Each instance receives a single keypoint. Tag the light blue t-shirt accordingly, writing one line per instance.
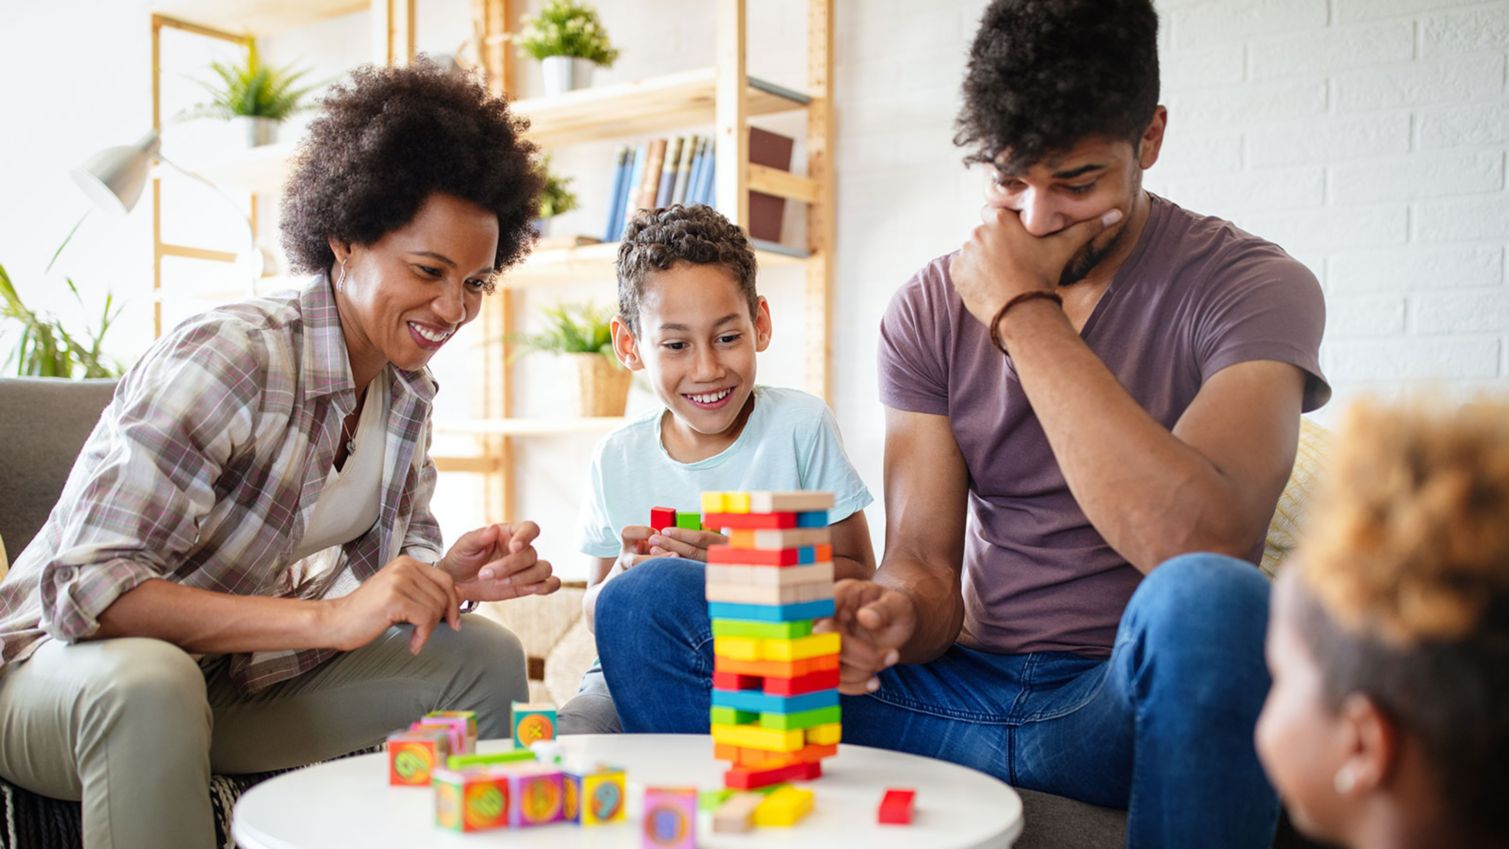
(790, 442)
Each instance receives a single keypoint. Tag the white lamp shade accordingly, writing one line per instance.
(113, 178)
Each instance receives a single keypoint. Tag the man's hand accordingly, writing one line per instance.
(499, 562)
(1002, 260)
(681, 542)
(404, 591)
(875, 622)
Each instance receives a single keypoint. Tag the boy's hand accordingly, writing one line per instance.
(499, 562)
(636, 546)
(681, 542)
(875, 622)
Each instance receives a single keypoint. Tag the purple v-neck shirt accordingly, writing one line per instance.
(1196, 295)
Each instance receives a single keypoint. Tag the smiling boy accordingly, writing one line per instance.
(691, 320)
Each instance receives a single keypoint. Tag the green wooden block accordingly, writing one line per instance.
(804, 719)
(689, 521)
(762, 630)
(712, 800)
(512, 756)
(730, 716)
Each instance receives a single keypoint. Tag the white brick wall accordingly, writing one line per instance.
(1400, 106)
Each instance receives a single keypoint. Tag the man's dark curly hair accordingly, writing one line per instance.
(390, 137)
(657, 239)
(1044, 75)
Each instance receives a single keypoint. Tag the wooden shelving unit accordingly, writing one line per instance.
(723, 96)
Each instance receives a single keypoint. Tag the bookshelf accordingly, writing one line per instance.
(724, 97)
(259, 170)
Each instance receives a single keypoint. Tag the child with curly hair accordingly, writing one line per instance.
(1388, 721)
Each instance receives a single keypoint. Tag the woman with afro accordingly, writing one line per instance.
(243, 572)
(1387, 724)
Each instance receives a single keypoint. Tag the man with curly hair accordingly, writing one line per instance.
(243, 573)
(1098, 383)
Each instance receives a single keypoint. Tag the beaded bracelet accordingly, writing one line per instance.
(995, 325)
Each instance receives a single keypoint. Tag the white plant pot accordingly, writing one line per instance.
(255, 131)
(565, 73)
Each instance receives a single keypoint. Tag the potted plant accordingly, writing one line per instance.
(46, 348)
(259, 96)
(581, 335)
(569, 40)
(556, 197)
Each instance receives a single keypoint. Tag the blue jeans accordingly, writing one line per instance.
(1163, 727)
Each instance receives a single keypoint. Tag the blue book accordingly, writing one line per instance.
(620, 174)
(636, 173)
(689, 195)
(705, 194)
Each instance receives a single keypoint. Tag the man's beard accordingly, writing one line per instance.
(1082, 263)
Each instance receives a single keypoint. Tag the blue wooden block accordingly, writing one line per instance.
(770, 612)
(812, 519)
(806, 554)
(758, 702)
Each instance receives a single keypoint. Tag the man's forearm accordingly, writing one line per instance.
(936, 601)
(198, 620)
(1150, 495)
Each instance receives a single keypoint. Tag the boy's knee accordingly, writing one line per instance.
(653, 588)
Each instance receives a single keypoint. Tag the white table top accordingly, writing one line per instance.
(348, 803)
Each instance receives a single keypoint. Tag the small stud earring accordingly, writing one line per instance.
(1346, 780)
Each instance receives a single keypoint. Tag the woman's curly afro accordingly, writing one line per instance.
(390, 137)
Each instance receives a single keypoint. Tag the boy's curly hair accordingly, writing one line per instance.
(1044, 75)
(390, 137)
(1404, 586)
(657, 239)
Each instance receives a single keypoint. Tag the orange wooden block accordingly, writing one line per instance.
(776, 668)
(761, 759)
(822, 553)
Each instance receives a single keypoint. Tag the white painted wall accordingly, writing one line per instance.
(1366, 136)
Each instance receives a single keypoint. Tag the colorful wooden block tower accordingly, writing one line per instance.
(775, 712)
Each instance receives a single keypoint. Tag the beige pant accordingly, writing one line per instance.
(133, 727)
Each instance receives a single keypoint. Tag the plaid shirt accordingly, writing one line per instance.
(204, 470)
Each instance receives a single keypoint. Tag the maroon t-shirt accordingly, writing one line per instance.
(1196, 295)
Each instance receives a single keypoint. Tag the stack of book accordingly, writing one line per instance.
(667, 171)
(659, 173)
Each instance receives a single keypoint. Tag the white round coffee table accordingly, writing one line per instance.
(348, 803)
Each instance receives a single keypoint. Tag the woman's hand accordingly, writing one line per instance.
(406, 591)
(499, 562)
(682, 542)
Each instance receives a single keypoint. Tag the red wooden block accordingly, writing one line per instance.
(896, 806)
(662, 518)
(754, 556)
(749, 521)
(822, 679)
(744, 778)
(735, 681)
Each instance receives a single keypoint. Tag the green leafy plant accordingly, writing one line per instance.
(580, 328)
(46, 348)
(556, 197)
(567, 28)
(252, 89)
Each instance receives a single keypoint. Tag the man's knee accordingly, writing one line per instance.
(1200, 619)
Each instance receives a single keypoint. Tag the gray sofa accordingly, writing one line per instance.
(43, 424)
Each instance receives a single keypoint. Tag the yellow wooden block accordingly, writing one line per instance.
(801, 648)
(785, 807)
(754, 737)
(737, 648)
(825, 735)
(714, 502)
(736, 502)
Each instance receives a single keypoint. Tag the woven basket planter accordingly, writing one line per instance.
(603, 384)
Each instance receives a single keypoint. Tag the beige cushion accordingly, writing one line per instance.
(1288, 516)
